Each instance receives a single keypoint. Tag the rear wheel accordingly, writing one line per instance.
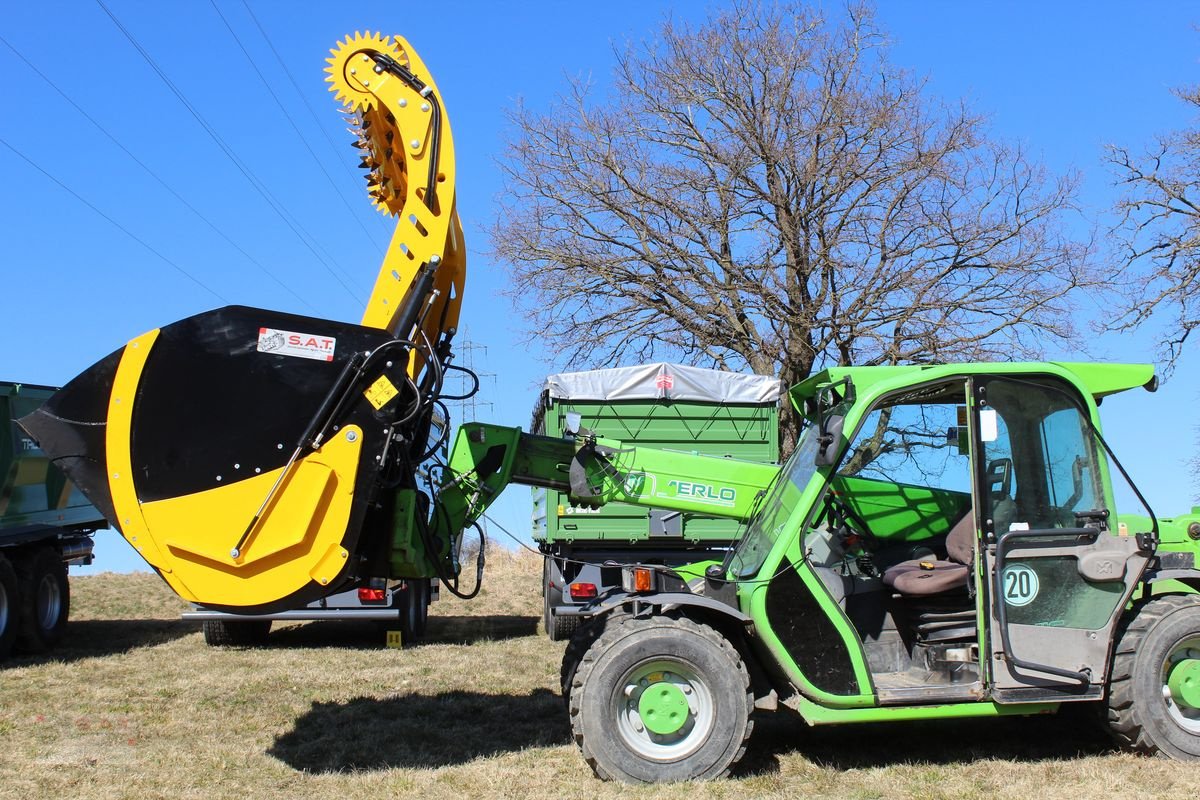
(661, 699)
(45, 600)
(557, 628)
(414, 608)
(236, 632)
(8, 607)
(1154, 691)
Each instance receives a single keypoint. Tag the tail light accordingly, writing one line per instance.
(368, 594)
(583, 591)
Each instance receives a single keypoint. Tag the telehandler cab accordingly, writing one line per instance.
(944, 542)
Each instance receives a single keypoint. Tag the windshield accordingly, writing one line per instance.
(776, 508)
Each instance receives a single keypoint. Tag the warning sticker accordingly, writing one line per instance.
(381, 392)
(292, 343)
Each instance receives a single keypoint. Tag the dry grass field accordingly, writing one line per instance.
(135, 705)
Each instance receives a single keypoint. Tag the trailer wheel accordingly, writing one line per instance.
(414, 608)
(8, 607)
(1154, 688)
(661, 699)
(557, 628)
(45, 600)
(236, 632)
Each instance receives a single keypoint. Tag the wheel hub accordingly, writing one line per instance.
(663, 708)
(1184, 683)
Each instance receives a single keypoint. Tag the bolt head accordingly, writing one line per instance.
(351, 436)
(424, 106)
(414, 144)
(403, 103)
(234, 553)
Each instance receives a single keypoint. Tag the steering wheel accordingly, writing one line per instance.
(847, 522)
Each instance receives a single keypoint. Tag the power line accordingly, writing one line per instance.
(116, 224)
(287, 114)
(337, 150)
(254, 181)
(154, 175)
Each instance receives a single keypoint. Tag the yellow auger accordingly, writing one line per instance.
(260, 460)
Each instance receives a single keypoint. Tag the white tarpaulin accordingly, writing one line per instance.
(664, 382)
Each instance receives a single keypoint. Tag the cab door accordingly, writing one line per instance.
(1057, 569)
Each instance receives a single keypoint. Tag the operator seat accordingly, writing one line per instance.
(921, 577)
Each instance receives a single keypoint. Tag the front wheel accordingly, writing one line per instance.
(1154, 692)
(661, 699)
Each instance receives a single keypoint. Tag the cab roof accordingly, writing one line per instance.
(1098, 380)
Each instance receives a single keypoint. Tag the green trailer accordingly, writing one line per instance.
(45, 525)
(661, 405)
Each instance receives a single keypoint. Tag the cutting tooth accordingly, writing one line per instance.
(368, 163)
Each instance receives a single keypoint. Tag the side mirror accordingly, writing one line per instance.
(830, 440)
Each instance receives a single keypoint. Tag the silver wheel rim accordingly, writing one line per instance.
(1186, 718)
(48, 602)
(637, 737)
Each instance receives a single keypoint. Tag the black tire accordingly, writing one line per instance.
(414, 609)
(581, 641)
(236, 632)
(9, 604)
(1155, 636)
(45, 600)
(559, 629)
(644, 672)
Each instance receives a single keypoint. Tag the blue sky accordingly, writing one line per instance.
(1064, 78)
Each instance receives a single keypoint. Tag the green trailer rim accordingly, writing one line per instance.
(664, 709)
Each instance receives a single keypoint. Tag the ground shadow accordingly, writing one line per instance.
(1069, 734)
(454, 728)
(372, 635)
(95, 638)
(416, 730)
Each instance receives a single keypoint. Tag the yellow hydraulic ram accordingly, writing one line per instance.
(253, 457)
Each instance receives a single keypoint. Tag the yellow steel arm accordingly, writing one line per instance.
(408, 151)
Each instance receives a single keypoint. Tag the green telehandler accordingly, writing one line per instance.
(946, 541)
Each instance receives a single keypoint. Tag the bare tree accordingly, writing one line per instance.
(1159, 230)
(766, 190)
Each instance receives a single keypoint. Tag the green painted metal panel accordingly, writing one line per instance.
(748, 432)
(32, 491)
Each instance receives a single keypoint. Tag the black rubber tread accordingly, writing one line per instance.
(1130, 713)
(624, 626)
(559, 629)
(581, 640)
(31, 569)
(424, 592)
(236, 632)
(9, 620)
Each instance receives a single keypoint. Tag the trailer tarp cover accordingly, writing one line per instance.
(663, 381)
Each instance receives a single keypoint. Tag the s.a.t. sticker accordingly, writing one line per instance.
(294, 343)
